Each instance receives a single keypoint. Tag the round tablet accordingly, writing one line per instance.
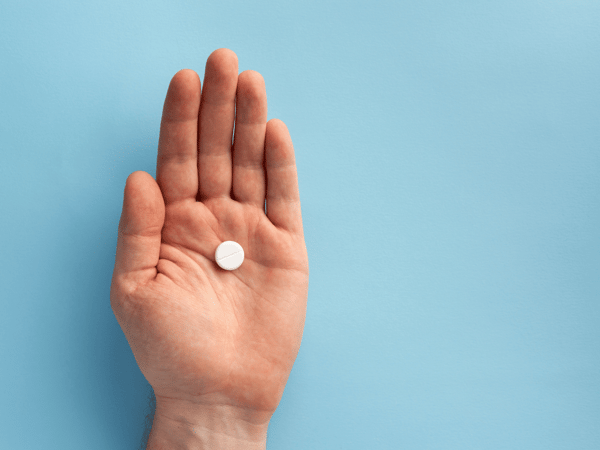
(229, 255)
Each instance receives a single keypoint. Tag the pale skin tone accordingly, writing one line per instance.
(217, 346)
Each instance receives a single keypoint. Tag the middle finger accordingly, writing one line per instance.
(217, 114)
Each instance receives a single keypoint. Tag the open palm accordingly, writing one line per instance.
(199, 333)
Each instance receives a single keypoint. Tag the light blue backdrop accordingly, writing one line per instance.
(449, 164)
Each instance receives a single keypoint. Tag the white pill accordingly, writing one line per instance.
(229, 255)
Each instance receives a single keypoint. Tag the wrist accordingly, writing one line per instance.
(182, 425)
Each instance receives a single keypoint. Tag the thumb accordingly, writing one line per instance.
(140, 226)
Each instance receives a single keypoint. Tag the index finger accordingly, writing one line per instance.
(176, 167)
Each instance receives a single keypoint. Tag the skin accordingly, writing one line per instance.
(217, 346)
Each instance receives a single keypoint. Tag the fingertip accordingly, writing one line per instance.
(252, 77)
(223, 52)
(186, 73)
(276, 121)
(187, 77)
(143, 205)
(137, 174)
(278, 125)
(251, 86)
(136, 180)
(278, 138)
(184, 86)
(225, 61)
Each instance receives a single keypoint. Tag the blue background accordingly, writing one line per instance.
(448, 158)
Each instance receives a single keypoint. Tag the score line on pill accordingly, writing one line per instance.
(229, 255)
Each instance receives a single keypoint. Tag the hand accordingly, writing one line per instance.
(207, 338)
